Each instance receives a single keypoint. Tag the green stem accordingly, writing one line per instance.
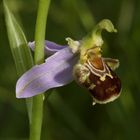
(40, 30)
(37, 107)
(37, 115)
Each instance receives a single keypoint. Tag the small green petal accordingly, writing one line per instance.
(94, 39)
(73, 45)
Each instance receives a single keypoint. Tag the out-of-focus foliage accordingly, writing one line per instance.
(68, 111)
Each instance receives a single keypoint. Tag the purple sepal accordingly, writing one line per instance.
(50, 47)
(55, 72)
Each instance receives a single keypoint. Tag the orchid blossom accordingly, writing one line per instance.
(81, 61)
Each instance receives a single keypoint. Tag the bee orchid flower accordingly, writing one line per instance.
(56, 71)
(81, 61)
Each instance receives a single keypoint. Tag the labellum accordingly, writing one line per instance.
(96, 74)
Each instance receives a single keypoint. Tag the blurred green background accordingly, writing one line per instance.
(68, 111)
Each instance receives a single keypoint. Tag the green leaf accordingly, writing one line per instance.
(18, 44)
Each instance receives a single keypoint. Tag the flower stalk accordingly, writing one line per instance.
(37, 107)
